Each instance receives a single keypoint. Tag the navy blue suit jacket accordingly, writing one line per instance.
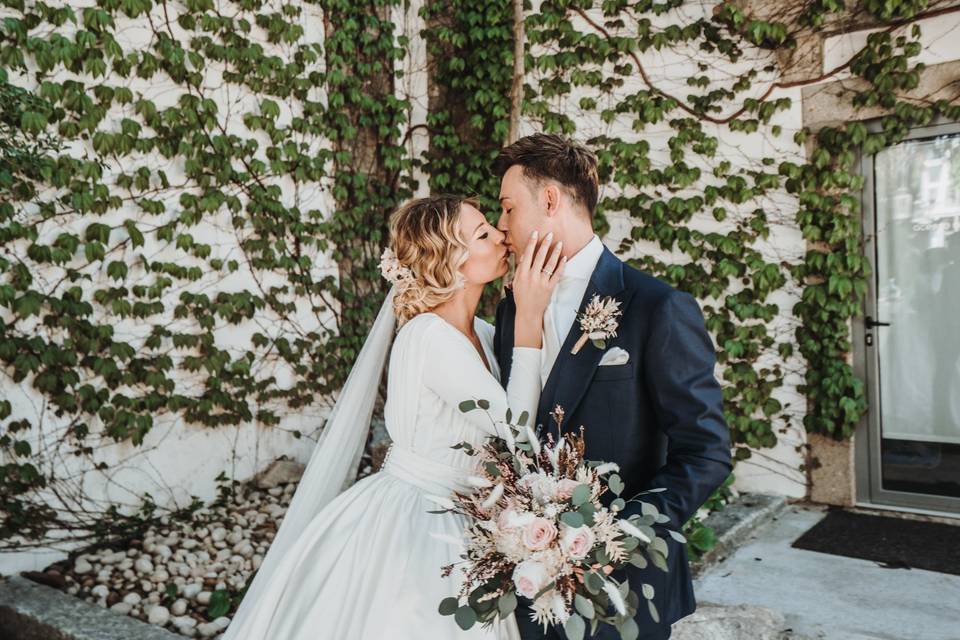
(659, 416)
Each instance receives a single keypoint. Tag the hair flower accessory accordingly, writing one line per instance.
(392, 269)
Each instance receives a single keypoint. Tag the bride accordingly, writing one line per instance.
(365, 564)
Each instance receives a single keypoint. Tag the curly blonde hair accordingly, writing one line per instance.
(425, 236)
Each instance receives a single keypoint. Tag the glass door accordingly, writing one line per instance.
(910, 333)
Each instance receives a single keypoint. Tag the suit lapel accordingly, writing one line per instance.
(571, 374)
(505, 326)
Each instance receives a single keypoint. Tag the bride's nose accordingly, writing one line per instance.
(500, 236)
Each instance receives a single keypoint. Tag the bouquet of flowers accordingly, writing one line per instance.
(538, 529)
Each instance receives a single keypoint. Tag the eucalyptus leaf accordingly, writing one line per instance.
(638, 560)
(572, 519)
(465, 617)
(507, 603)
(584, 606)
(629, 630)
(658, 560)
(574, 627)
(659, 544)
(581, 494)
(593, 582)
(615, 483)
(449, 606)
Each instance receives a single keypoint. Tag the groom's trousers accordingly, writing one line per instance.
(530, 630)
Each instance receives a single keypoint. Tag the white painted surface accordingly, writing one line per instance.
(179, 461)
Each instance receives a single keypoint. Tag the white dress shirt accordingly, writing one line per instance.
(561, 313)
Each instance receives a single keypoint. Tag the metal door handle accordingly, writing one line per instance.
(870, 322)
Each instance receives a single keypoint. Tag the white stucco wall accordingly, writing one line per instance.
(178, 461)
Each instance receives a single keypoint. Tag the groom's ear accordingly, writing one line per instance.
(551, 196)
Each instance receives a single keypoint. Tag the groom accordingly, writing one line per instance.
(648, 401)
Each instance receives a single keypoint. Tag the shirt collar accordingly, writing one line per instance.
(583, 262)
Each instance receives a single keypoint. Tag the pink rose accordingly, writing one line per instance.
(530, 577)
(539, 534)
(565, 488)
(577, 542)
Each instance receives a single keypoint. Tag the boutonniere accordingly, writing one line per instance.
(598, 322)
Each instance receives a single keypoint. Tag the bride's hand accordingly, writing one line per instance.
(538, 270)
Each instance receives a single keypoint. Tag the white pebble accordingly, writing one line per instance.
(191, 590)
(179, 607)
(159, 615)
(144, 565)
(184, 622)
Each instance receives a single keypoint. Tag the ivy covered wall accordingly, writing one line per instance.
(195, 194)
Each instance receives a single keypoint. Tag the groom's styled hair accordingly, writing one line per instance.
(549, 156)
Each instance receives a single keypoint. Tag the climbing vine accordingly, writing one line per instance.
(596, 62)
(175, 256)
(195, 197)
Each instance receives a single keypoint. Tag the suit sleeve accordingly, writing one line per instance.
(688, 403)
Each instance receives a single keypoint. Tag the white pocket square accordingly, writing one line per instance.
(616, 355)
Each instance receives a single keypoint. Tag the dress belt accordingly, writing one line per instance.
(423, 472)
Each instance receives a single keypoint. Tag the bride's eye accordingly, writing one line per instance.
(484, 236)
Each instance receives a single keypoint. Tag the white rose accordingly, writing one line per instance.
(530, 577)
(542, 487)
(510, 544)
(513, 519)
(576, 542)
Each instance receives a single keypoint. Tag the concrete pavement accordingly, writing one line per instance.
(832, 597)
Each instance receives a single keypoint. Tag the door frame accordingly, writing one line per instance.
(867, 439)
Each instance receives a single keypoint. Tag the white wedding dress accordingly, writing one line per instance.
(367, 566)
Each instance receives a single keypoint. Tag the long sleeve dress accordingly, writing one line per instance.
(368, 566)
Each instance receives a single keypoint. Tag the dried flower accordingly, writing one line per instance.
(537, 528)
(598, 322)
(393, 270)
